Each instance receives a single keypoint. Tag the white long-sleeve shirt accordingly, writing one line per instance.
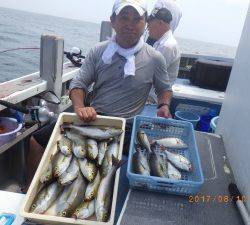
(168, 47)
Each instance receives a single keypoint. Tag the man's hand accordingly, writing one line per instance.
(164, 112)
(86, 113)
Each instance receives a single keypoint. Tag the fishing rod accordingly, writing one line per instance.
(15, 49)
(74, 55)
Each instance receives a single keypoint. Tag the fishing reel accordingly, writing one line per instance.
(40, 113)
(75, 56)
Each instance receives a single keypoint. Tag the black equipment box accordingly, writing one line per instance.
(208, 74)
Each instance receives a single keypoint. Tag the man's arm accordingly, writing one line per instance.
(164, 101)
(163, 87)
(77, 97)
(79, 87)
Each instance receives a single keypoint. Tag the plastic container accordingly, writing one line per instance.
(213, 123)
(7, 218)
(157, 128)
(204, 124)
(9, 127)
(51, 149)
(187, 116)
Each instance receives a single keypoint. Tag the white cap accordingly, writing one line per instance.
(139, 5)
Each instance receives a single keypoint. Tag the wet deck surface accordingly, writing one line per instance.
(149, 208)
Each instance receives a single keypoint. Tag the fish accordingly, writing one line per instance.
(113, 149)
(79, 144)
(92, 188)
(88, 168)
(61, 163)
(179, 161)
(102, 147)
(45, 198)
(171, 143)
(143, 140)
(93, 132)
(84, 210)
(47, 175)
(92, 149)
(70, 174)
(172, 172)
(140, 163)
(105, 192)
(65, 145)
(69, 199)
(158, 166)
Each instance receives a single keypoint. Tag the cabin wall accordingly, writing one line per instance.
(234, 122)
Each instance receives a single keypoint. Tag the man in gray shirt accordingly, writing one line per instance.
(122, 69)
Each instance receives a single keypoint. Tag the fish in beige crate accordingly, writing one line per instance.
(70, 174)
(92, 149)
(88, 169)
(65, 145)
(105, 193)
(79, 144)
(67, 202)
(113, 149)
(45, 198)
(102, 147)
(85, 210)
(47, 175)
(60, 163)
(92, 188)
(93, 132)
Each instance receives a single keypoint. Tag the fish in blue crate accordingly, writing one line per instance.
(141, 162)
(161, 163)
(171, 142)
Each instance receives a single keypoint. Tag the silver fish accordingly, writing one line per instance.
(113, 149)
(140, 163)
(92, 188)
(65, 145)
(171, 143)
(93, 132)
(84, 210)
(47, 175)
(79, 144)
(45, 198)
(179, 161)
(105, 192)
(88, 168)
(70, 174)
(92, 149)
(172, 172)
(158, 165)
(71, 197)
(61, 163)
(143, 140)
(102, 147)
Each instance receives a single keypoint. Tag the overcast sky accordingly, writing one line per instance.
(217, 21)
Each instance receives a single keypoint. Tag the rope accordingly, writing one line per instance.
(15, 49)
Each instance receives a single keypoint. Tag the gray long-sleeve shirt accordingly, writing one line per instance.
(115, 95)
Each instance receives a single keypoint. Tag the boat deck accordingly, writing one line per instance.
(213, 204)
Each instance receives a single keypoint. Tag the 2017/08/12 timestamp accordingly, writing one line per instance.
(216, 198)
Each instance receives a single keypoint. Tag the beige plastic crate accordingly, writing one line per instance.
(51, 149)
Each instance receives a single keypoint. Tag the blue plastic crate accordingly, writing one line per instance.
(157, 128)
